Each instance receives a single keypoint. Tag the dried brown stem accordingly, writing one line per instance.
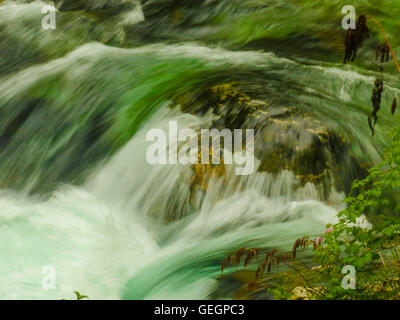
(386, 40)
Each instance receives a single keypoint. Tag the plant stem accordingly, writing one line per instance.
(302, 276)
(387, 41)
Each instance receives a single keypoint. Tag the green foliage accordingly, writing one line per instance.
(371, 247)
(79, 296)
(366, 236)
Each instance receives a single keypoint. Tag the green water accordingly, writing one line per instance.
(76, 103)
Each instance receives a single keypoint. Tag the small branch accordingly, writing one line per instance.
(383, 260)
(373, 62)
(305, 280)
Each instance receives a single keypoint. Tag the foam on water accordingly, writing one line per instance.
(79, 235)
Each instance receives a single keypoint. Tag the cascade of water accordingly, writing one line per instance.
(76, 103)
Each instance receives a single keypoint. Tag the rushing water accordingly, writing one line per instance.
(76, 103)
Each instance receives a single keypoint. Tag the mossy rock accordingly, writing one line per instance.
(286, 138)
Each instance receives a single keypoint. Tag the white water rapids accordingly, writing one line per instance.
(108, 233)
(75, 106)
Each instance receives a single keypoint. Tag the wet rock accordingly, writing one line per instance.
(299, 293)
(177, 19)
(286, 137)
(31, 141)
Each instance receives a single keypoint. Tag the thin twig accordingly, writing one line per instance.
(301, 275)
(383, 261)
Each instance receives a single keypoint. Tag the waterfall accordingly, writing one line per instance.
(76, 103)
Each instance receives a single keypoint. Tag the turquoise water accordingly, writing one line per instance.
(76, 103)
